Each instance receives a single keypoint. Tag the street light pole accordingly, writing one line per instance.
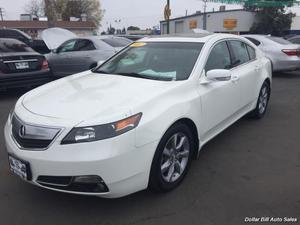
(168, 19)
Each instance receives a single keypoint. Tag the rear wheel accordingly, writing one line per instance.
(172, 158)
(262, 102)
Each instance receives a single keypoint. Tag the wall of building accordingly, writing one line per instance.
(239, 21)
(295, 23)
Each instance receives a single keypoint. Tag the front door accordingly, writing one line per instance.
(220, 99)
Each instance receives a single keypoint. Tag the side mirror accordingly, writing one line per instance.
(55, 51)
(218, 75)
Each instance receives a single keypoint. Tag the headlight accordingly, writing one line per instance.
(100, 132)
(11, 114)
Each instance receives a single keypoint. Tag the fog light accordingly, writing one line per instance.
(89, 183)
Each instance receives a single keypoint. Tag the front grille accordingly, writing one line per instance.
(32, 137)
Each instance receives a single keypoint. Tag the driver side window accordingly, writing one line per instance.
(219, 57)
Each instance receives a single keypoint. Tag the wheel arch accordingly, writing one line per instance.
(193, 128)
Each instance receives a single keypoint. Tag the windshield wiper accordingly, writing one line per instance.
(137, 75)
(100, 71)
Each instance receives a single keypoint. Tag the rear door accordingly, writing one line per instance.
(246, 68)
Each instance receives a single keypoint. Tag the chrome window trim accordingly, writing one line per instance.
(21, 60)
(60, 130)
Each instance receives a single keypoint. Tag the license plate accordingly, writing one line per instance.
(19, 167)
(22, 65)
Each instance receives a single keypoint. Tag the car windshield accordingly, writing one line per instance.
(279, 40)
(9, 45)
(154, 60)
(116, 42)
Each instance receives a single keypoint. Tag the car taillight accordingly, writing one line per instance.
(291, 52)
(45, 65)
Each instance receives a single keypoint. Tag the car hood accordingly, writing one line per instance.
(92, 97)
(54, 37)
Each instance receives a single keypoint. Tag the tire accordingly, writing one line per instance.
(170, 165)
(262, 101)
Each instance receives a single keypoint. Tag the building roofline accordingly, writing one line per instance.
(201, 14)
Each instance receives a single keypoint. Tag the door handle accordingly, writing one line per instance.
(235, 78)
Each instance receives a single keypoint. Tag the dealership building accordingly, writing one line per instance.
(236, 21)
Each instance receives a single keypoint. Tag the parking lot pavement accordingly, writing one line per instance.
(250, 170)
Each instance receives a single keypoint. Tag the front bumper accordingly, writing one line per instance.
(287, 64)
(123, 167)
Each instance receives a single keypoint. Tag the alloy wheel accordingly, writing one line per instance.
(175, 157)
(263, 99)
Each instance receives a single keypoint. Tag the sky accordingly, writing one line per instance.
(124, 13)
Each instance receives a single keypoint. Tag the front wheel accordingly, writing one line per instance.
(172, 158)
(262, 102)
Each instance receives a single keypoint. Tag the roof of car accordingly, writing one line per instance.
(186, 37)
(11, 40)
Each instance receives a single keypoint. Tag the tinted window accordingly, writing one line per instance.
(295, 41)
(84, 45)
(155, 60)
(239, 52)
(251, 52)
(9, 45)
(254, 41)
(116, 42)
(279, 40)
(219, 57)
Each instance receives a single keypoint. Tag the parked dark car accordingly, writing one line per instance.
(21, 66)
(38, 45)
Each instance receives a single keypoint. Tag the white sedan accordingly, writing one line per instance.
(139, 119)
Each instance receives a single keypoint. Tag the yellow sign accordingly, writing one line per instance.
(138, 44)
(230, 24)
(193, 24)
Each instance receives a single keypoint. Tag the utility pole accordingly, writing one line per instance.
(168, 19)
(1, 14)
(204, 14)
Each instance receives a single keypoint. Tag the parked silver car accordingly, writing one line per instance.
(71, 54)
(284, 55)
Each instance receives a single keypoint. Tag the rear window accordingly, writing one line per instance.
(279, 40)
(8, 45)
(116, 42)
(254, 41)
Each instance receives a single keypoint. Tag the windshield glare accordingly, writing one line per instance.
(155, 60)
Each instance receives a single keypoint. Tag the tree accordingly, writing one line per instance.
(54, 9)
(35, 8)
(64, 9)
(271, 17)
(133, 28)
(90, 8)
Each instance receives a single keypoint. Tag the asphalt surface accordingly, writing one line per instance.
(250, 170)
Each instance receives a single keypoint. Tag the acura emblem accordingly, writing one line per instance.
(22, 131)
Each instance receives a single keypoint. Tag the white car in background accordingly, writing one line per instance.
(139, 119)
(284, 55)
